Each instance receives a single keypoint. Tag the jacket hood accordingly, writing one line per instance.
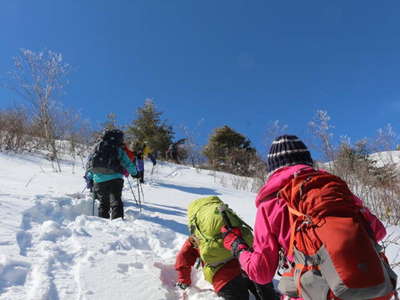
(277, 181)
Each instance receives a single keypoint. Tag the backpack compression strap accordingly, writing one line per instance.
(294, 225)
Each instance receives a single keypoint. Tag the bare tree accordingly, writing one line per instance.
(274, 129)
(321, 129)
(193, 149)
(110, 122)
(386, 139)
(40, 78)
(376, 181)
(76, 134)
(14, 129)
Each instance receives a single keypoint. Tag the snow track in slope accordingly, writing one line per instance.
(64, 246)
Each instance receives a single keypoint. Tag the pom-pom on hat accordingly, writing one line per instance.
(287, 150)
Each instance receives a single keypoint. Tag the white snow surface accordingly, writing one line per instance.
(51, 247)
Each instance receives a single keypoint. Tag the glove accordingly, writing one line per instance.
(182, 285)
(89, 182)
(233, 240)
(136, 176)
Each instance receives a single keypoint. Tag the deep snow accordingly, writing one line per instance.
(51, 247)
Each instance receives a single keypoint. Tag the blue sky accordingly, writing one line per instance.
(240, 63)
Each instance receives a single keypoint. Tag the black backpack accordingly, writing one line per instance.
(104, 159)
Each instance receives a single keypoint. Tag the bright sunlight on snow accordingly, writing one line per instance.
(51, 247)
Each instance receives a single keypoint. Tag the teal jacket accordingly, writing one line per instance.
(125, 162)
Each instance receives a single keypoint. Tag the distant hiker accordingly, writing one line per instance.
(148, 152)
(133, 157)
(130, 152)
(140, 166)
(206, 217)
(141, 153)
(310, 225)
(173, 151)
(106, 166)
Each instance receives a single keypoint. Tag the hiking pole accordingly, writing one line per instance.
(133, 194)
(141, 190)
(94, 200)
(138, 190)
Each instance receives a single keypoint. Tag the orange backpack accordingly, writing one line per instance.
(334, 253)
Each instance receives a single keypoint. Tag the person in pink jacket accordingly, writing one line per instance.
(288, 154)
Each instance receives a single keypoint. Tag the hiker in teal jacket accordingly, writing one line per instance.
(126, 163)
(107, 186)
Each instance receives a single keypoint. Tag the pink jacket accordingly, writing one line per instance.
(272, 229)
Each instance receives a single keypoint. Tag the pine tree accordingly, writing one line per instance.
(228, 150)
(150, 129)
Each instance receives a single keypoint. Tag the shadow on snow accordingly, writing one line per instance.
(171, 224)
(191, 190)
(156, 209)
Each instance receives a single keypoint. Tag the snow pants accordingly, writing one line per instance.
(109, 195)
(239, 287)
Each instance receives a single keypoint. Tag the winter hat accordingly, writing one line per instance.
(287, 150)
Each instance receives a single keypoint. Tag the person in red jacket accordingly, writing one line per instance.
(130, 153)
(229, 282)
(132, 158)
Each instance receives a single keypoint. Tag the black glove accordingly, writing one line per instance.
(89, 183)
(137, 175)
(182, 285)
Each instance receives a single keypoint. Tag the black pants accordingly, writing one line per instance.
(239, 287)
(109, 195)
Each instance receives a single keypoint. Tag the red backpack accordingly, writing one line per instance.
(334, 253)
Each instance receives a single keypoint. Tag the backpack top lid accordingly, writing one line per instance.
(205, 217)
(205, 223)
(113, 136)
(197, 204)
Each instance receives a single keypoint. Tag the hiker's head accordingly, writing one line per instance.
(287, 150)
(114, 136)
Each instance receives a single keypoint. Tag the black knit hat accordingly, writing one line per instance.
(287, 150)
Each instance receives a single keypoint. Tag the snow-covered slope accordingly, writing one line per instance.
(387, 157)
(51, 247)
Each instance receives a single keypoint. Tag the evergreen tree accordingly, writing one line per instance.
(150, 129)
(228, 150)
